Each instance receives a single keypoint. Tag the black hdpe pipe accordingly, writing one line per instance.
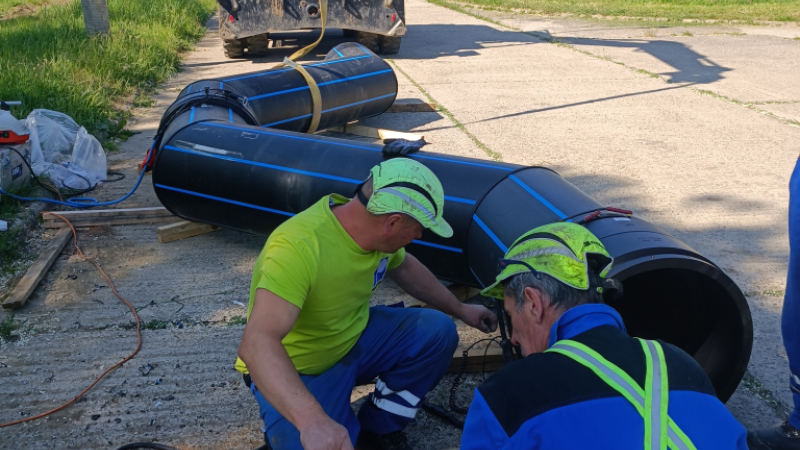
(252, 179)
(353, 83)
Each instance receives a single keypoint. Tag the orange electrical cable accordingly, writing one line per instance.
(138, 333)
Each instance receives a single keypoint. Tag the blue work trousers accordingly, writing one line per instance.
(790, 319)
(408, 350)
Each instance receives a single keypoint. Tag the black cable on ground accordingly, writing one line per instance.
(69, 191)
(154, 445)
(459, 377)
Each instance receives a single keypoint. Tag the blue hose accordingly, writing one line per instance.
(85, 202)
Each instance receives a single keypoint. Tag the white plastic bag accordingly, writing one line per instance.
(64, 151)
(52, 136)
(88, 158)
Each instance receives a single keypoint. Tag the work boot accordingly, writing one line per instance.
(392, 441)
(782, 437)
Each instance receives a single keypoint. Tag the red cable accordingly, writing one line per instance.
(138, 333)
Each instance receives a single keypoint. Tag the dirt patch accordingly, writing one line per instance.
(28, 9)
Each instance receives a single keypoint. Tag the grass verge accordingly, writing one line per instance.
(676, 11)
(49, 62)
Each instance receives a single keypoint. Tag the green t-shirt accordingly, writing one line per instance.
(311, 262)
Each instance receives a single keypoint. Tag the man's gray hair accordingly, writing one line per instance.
(560, 296)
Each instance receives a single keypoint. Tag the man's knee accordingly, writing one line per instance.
(439, 329)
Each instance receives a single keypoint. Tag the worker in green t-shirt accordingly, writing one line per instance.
(311, 335)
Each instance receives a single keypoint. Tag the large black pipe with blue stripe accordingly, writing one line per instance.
(353, 83)
(251, 179)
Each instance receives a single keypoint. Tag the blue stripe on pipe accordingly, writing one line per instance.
(364, 49)
(549, 205)
(292, 136)
(337, 51)
(289, 70)
(373, 149)
(439, 246)
(289, 169)
(221, 85)
(220, 199)
(489, 233)
(434, 158)
(329, 110)
(189, 89)
(459, 200)
(191, 116)
(230, 115)
(287, 120)
(268, 166)
(272, 94)
(476, 277)
(361, 102)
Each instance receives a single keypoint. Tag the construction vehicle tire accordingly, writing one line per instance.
(369, 40)
(389, 45)
(258, 45)
(234, 48)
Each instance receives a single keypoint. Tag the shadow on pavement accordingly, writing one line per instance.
(691, 67)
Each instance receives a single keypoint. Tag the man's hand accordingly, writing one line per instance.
(325, 434)
(479, 317)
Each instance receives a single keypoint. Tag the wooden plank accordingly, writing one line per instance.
(183, 229)
(377, 133)
(415, 106)
(27, 284)
(476, 361)
(463, 292)
(106, 217)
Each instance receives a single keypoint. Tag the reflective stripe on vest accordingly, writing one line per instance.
(660, 431)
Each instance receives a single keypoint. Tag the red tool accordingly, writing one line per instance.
(10, 130)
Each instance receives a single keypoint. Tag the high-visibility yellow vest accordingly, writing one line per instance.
(652, 402)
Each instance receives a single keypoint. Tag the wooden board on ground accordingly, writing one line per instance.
(413, 105)
(377, 133)
(106, 217)
(183, 229)
(479, 358)
(27, 284)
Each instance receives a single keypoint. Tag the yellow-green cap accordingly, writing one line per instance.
(402, 185)
(562, 250)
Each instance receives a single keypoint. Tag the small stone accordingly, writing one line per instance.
(95, 416)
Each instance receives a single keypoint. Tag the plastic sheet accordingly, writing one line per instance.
(63, 150)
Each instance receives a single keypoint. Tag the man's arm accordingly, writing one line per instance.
(413, 277)
(277, 379)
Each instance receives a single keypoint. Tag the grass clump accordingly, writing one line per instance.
(747, 11)
(49, 62)
(7, 326)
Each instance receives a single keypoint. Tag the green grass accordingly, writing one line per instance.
(747, 11)
(7, 326)
(13, 241)
(47, 60)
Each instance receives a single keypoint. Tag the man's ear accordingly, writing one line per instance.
(534, 304)
(392, 222)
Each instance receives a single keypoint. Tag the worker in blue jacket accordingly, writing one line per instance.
(584, 382)
(786, 436)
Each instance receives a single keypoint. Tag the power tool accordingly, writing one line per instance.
(12, 132)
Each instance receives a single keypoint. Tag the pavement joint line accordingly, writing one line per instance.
(553, 40)
(752, 106)
(491, 153)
